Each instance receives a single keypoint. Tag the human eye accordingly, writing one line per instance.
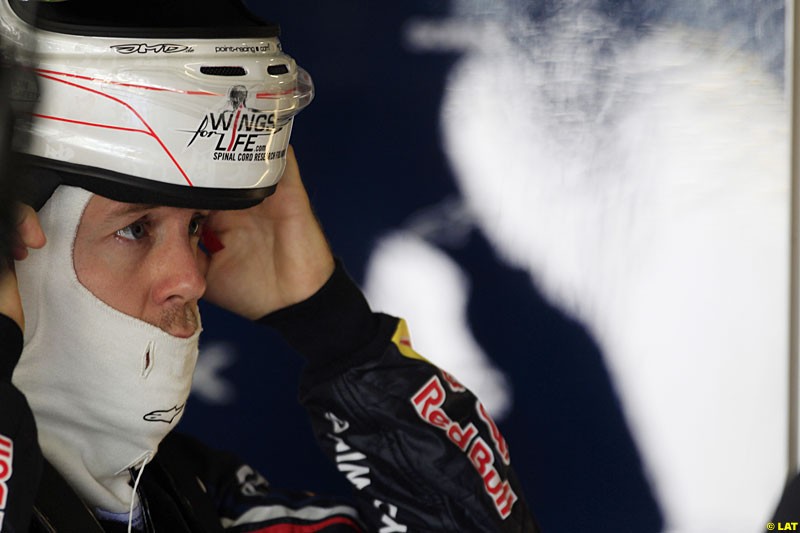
(196, 224)
(133, 232)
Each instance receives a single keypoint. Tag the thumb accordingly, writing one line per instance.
(29, 232)
(10, 304)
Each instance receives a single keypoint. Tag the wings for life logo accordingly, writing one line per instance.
(237, 133)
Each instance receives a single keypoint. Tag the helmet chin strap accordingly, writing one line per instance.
(105, 388)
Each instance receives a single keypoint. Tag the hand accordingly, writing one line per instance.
(29, 235)
(274, 254)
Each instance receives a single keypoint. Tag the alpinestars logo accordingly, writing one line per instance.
(165, 415)
(238, 133)
(144, 48)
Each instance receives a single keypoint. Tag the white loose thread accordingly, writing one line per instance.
(145, 460)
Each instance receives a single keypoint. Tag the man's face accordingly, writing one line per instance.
(238, 96)
(143, 261)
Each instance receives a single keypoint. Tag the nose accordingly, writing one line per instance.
(179, 277)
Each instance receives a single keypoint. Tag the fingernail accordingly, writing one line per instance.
(211, 241)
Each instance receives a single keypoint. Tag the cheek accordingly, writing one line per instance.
(113, 277)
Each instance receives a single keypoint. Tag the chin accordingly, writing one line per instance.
(182, 333)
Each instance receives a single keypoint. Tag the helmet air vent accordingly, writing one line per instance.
(277, 70)
(223, 71)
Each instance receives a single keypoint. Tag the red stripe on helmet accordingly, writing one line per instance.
(132, 110)
(121, 84)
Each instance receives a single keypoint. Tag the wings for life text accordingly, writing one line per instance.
(238, 135)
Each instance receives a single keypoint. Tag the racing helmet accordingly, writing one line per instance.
(188, 103)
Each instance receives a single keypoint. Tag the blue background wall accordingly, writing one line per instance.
(369, 150)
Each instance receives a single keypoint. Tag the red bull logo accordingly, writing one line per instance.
(6, 460)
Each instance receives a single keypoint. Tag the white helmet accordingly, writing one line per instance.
(187, 103)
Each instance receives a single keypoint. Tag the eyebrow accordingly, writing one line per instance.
(127, 209)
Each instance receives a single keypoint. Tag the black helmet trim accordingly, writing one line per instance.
(164, 33)
(41, 176)
(149, 18)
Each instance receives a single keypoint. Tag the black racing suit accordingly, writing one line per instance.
(420, 450)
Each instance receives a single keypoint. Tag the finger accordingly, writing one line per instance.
(29, 230)
(290, 198)
(10, 304)
(29, 233)
(291, 174)
(18, 251)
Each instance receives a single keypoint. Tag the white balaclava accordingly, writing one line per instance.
(105, 388)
